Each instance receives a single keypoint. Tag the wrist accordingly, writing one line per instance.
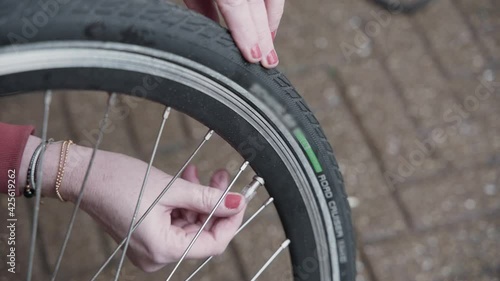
(74, 169)
(31, 145)
(49, 168)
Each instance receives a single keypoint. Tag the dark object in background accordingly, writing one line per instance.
(402, 6)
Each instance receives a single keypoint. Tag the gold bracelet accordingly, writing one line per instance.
(62, 165)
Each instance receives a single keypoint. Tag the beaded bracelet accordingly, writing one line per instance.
(30, 189)
(63, 159)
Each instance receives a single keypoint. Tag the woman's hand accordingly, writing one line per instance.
(112, 191)
(253, 24)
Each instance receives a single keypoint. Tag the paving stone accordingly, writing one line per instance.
(451, 197)
(468, 249)
(330, 35)
(86, 110)
(472, 124)
(494, 136)
(145, 119)
(465, 142)
(27, 109)
(383, 115)
(426, 93)
(222, 268)
(398, 36)
(484, 16)
(180, 138)
(482, 278)
(361, 271)
(268, 225)
(80, 259)
(375, 213)
(206, 160)
(479, 97)
(451, 39)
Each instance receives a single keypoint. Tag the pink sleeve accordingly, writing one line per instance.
(13, 139)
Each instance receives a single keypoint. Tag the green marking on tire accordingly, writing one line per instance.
(308, 149)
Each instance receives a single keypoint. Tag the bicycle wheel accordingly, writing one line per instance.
(127, 46)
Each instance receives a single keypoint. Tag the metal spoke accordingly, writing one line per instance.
(250, 219)
(111, 100)
(283, 246)
(242, 168)
(141, 193)
(36, 210)
(170, 183)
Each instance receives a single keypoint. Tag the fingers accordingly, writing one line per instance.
(275, 10)
(260, 19)
(219, 232)
(191, 174)
(248, 21)
(204, 7)
(252, 23)
(239, 20)
(202, 199)
(209, 243)
(220, 179)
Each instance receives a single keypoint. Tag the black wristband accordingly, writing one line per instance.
(30, 189)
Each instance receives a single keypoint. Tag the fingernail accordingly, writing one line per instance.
(232, 201)
(273, 34)
(272, 58)
(256, 52)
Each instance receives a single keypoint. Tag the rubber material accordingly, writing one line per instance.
(399, 6)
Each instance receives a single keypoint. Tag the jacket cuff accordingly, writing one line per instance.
(13, 139)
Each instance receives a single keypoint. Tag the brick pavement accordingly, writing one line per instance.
(410, 104)
(417, 76)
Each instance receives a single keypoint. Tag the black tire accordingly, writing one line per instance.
(197, 41)
(402, 6)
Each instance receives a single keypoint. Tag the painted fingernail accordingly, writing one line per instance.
(272, 58)
(232, 201)
(273, 34)
(256, 52)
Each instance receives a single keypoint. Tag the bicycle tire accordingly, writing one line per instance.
(402, 7)
(165, 32)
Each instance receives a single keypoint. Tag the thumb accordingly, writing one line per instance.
(203, 199)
